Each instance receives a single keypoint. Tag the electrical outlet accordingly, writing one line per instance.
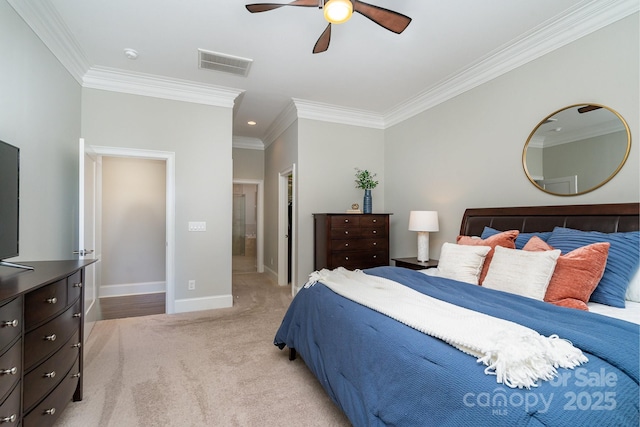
(192, 285)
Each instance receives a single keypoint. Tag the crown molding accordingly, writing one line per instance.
(248, 143)
(337, 114)
(281, 123)
(580, 21)
(45, 21)
(115, 80)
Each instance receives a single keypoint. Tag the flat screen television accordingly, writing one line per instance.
(9, 203)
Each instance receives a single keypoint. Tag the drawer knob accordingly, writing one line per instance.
(52, 300)
(50, 411)
(76, 345)
(75, 315)
(76, 375)
(11, 371)
(77, 285)
(346, 258)
(375, 232)
(346, 220)
(51, 374)
(51, 337)
(375, 256)
(346, 232)
(11, 419)
(375, 220)
(375, 243)
(13, 323)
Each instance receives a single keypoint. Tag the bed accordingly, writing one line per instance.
(381, 372)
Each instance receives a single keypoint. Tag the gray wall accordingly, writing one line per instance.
(200, 136)
(248, 164)
(593, 160)
(40, 114)
(328, 154)
(280, 155)
(467, 151)
(133, 221)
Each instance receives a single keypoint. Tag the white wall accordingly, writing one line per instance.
(40, 114)
(200, 136)
(467, 151)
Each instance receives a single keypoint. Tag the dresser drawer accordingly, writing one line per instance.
(10, 408)
(341, 245)
(342, 221)
(49, 337)
(10, 322)
(74, 286)
(344, 233)
(373, 221)
(10, 368)
(48, 411)
(45, 302)
(351, 260)
(47, 375)
(377, 231)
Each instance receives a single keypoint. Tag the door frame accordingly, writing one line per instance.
(259, 219)
(170, 228)
(87, 224)
(283, 212)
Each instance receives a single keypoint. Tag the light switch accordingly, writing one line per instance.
(197, 226)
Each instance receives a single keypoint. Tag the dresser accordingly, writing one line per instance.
(350, 240)
(41, 337)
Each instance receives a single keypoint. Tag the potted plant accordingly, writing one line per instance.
(366, 181)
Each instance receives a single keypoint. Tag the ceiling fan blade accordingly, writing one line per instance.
(264, 7)
(392, 21)
(323, 41)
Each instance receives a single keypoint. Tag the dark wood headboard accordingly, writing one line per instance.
(607, 218)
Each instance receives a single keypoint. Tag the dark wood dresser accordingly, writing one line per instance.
(350, 240)
(41, 338)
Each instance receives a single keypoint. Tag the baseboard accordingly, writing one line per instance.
(204, 303)
(124, 289)
(271, 274)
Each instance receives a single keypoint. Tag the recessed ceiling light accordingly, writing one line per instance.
(251, 123)
(130, 53)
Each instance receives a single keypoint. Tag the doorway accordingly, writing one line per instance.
(245, 228)
(248, 226)
(168, 159)
(133, 239)
(287, 228)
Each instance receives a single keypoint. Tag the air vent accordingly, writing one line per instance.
(225, 63)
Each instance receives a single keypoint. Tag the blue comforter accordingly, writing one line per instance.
(381, 372)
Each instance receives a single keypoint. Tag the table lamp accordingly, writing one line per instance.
(423, 222)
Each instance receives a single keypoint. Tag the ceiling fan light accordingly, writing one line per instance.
(338, 11)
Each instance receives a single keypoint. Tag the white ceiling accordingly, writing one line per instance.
(449, 47)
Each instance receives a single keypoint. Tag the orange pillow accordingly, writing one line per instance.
(505, 239)
(576, 275)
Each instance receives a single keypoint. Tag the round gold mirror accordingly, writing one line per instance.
(576, 149)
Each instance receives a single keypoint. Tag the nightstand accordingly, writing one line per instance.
(414, 264)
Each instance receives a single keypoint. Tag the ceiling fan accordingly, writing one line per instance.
(339, 11)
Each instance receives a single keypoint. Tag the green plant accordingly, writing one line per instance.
(364, 179)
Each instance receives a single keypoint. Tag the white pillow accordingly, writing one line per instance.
(462, 262)
(633, 291)
(520, 272)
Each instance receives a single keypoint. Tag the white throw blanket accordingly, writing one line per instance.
(517, 355)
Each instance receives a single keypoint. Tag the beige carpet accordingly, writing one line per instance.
(210, 368)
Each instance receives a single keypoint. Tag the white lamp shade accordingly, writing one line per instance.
(423, 221)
